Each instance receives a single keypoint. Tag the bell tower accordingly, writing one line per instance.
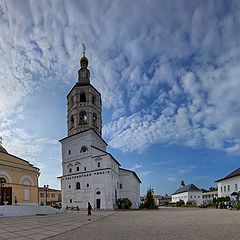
(84, 103)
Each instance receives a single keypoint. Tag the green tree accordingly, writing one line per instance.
(149, 202)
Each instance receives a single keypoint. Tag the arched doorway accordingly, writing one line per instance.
(5, 192)
(98, 199)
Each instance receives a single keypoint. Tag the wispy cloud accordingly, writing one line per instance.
(136, 166)
(144, 173)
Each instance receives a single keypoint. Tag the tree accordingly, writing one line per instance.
(149, 202)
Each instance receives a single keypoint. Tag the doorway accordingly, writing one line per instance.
(6, 196)
(98, 201)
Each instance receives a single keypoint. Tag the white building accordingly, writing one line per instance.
(229, 185)
(89, 172)
(209, 196)
(188, 193)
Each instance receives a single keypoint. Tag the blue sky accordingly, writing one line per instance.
(168, 72)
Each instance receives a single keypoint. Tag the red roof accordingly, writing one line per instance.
(232, 174)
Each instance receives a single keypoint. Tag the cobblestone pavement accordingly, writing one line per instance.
(164, 224)
(42, 227)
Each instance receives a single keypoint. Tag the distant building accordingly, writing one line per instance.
(53, 197)
(18, 180)
(229, 185)
(188, 193)
(160, 200)
(209, 196)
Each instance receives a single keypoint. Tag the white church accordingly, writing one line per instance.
(89, 172)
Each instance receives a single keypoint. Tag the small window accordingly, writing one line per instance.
(98, 192)
(52, 195)
(87, 184)
(69, 152)
(82, 117)
(83, 149)
(78, 169)
(72, 101)
(78, 185)
(70, 200)
(236, 186)
(98, 164)
(82, 97)
(70, 170)
(224, 188)
(71, 121)
(94, 119)
(69, 186)
(93, 99)
(120, 186)
(221, 189)
(41, 194)
(85, 169)
(228, 187)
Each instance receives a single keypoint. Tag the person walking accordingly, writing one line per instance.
(89, 209)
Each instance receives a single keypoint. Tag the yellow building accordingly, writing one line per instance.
(18, 180)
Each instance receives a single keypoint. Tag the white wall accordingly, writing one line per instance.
(227, 187)
(191, 196)
(130, 187)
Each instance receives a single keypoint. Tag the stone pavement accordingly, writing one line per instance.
(164, 224)
(42, 227)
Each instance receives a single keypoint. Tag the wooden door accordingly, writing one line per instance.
(98, 203)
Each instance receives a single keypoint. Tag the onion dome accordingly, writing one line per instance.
(84, 62)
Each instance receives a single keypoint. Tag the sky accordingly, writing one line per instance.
(168, 72)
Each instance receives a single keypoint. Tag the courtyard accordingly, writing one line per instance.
(164, 224)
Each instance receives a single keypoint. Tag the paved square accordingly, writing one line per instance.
(42, 227)
(164, 224)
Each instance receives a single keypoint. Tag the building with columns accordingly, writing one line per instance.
(89, 172)
(18, 180)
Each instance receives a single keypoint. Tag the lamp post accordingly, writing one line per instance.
(2, 181)
(46, 190)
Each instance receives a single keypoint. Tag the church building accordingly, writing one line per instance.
(89, 172)
(18, 180)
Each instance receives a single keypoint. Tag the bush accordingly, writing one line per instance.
(237, 206)
(124, 203)
(166, 203)
(189, 203)
(180, 203)
(141, 206)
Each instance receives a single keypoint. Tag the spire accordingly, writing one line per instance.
(83, 72)
(182, 184)
(84, 49)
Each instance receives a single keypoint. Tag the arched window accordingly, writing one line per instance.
(83, 149)
(94, 119)
(82, 97)
(71, 121)
(93, 99)
(78, 185)
(83, 117)
(72, 101)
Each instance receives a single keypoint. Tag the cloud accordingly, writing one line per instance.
(165, 79)
(136, 166)
(144, 173)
